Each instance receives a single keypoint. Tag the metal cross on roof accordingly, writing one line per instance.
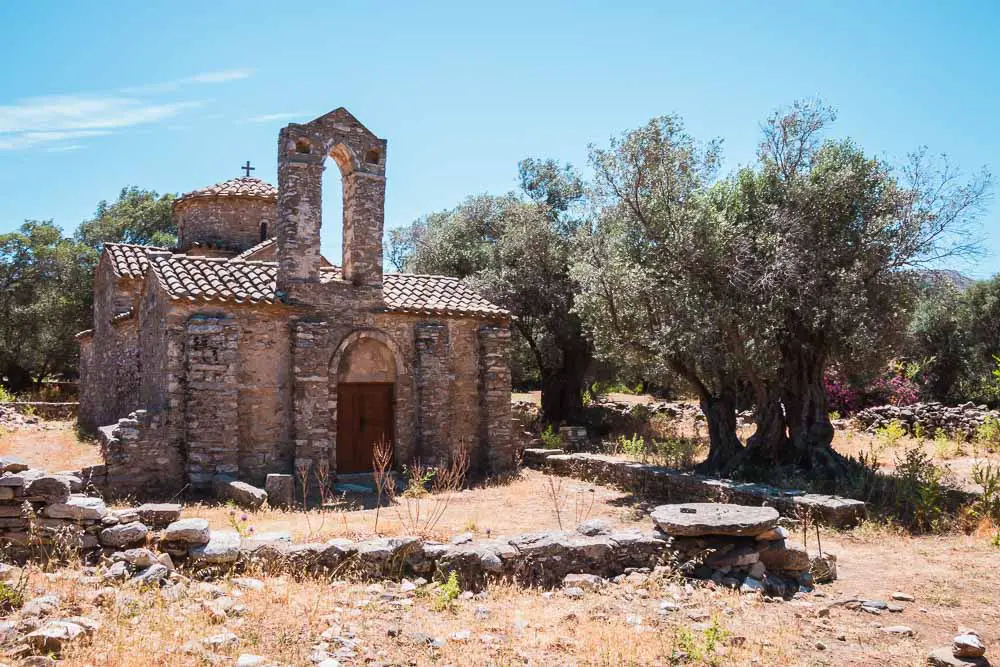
(247, 168)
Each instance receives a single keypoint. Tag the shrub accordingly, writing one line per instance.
(986, 506)
(920, 498)
(891, 433)
(551, 438)
(6, 396)
(634, 447)
(447, 593)
(12, 597)
(988, 434)
(843, 398)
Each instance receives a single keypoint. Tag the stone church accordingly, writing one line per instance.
(243, 352)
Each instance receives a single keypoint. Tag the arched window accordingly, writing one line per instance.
(263, 231)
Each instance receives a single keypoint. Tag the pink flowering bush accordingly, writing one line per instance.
(841, 396)
(846, 395)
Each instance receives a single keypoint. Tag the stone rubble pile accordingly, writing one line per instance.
(659, 482)
(960, 420)
(741, 547)
(11, 419)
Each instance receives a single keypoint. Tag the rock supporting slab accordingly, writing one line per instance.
(696, 519)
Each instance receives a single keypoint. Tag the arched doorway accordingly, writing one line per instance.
(366, 383)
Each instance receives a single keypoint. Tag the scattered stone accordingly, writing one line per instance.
(462, 538)
(902, 597)
(78, 508)
(968, 645)
(154, 574)
(280, 490)
(751, 585)
(586, 582)
(243, 494)
(696, 519)
(221, 640)
(901, 630)
(574, 592)
(776, 533)
(159, 515)
(943, 657)
(594, 527)
(123, 535)
(12, 464)
(222, 549)
(188, 531)
(250, 660)
(820, 646)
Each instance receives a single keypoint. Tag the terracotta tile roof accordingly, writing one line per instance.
(234, 187)
(214, 278)
(128, 260)
(250, 253)
(240, 281)
(410, 293)
(219, 279)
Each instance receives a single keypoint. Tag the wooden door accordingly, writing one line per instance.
(364, 417)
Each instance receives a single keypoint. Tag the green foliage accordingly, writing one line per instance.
(6, 396)
(45, 297)
(986, 505)
(551, 438)
(891, 433)
(920, 500)
(515, 249)
(988, 434)
(447, 593)
(634, 447)
(137, 216)
(701, 646)
(944, 446)
(12, 596)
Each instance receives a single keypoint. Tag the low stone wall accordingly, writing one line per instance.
(45, 409)
(676, 486)
(41, 512)
(959, 420)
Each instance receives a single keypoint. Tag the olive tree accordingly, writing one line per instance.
(515, 250)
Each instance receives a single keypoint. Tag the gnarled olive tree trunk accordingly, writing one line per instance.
(807, 413)
(724, 444)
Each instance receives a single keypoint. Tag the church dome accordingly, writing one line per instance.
(226, 218)
(234, 187)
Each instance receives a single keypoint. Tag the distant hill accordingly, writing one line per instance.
(931, 279)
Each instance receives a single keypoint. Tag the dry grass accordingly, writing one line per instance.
(53, 447)
(953, 578)
(521, 506)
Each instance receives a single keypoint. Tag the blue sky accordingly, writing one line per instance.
(175, 96)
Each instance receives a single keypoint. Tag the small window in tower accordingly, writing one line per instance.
(263, 231)
(372, 157)
(302, 145)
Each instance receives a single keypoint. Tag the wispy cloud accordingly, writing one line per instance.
(23, 140)
(271, 117)
(217, 76)
(58, 122)
(41, 120)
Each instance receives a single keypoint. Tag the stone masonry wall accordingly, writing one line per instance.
(142, 456)
(232, 223)
(496, 419)
(211, 399)
(360, 156)
(433, 372)
(111, 358)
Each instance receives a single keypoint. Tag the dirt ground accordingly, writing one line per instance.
(954, 578)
